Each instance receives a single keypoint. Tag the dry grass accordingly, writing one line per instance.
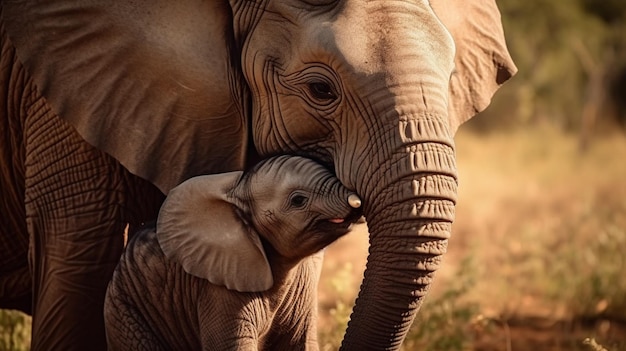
(14, 331)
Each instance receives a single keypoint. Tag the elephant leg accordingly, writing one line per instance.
(78, 202)
(15, 281)
(300, 308)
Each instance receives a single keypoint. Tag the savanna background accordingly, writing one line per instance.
(537, 260)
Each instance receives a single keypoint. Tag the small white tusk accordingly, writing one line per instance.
(354, 201)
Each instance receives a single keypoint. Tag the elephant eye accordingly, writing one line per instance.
(298, 201)
(322, 91)
(320, 2)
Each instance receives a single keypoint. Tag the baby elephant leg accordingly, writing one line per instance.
(218, 332)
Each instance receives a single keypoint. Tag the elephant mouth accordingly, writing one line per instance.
(336, 227)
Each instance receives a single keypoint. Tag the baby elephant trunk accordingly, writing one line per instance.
(347, 201)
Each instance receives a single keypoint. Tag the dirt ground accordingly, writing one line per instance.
(527, 202)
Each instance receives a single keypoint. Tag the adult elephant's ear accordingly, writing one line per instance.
(482, 59)
(155, 84)
(199, 227)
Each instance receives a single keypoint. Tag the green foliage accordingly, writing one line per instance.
(14, 331)
(610, 11)
(341, 285)
(586, 271)
(330, 338)
(571, 56)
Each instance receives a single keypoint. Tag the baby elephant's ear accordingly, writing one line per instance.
(199, 228)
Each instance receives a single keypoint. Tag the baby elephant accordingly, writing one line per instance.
(234, 262)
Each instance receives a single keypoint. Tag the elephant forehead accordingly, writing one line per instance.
(370, 37)
(289, 169)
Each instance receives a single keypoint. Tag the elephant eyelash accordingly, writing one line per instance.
(317, 86)
(298, 201)
(317, 3)
(322, 91)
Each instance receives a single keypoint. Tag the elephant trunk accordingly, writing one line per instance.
(409, 209)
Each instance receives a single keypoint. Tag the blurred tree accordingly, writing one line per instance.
(571, 56)
(610, 11)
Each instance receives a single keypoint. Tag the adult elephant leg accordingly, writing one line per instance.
(15, 282)
(77, 206)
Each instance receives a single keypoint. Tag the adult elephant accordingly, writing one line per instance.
(98, 97)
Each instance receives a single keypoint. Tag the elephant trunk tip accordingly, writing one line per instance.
(354, 201)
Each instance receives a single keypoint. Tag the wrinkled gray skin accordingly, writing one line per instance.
(103, 103)
(283, 212)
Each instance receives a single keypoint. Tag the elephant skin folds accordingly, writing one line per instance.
(74, 206)
(151, 88)
(175, 310)
(15, 281)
